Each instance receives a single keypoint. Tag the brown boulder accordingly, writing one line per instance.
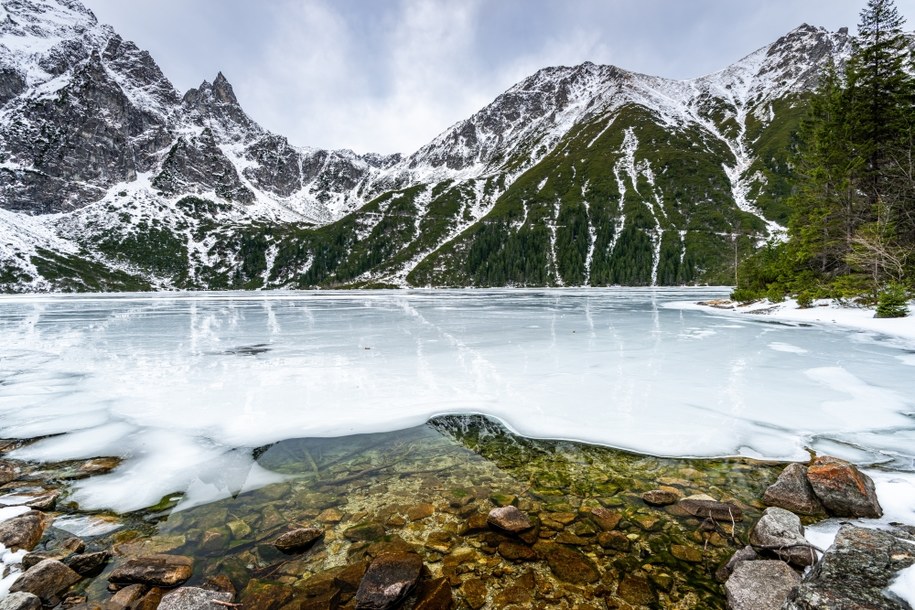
(46, 579)
(843, 490)
(792, 491)
(154, 570)
(24, 531)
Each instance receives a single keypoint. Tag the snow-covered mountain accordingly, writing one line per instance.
(111, 179)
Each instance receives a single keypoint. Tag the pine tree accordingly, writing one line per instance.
(880, 87)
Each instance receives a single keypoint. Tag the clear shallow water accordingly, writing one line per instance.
(184, 385)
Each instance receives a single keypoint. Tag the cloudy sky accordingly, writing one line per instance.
(388, 75)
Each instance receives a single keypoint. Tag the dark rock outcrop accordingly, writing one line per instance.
(855, 573)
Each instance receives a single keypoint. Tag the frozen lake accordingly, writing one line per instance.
(184, 385)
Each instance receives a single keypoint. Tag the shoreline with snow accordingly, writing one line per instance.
(824, 312)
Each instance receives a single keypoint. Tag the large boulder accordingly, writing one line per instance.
(760, 585)
(855, 572)
(47, 579)
(843, 490)
(24, 531)
(792, 491)
(780, 532)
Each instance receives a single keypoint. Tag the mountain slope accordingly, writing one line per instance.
(109, 179)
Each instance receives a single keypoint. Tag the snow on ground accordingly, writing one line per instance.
(823, 313)
(904, 585)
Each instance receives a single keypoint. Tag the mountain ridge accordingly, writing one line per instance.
(104, 153)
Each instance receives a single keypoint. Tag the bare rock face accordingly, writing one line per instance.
(780, 532)
(47, 580)
(154, 571)
(24, 531)
(760, 585)
(855, 573)
(388, 581)
(197, 165)
(792, 491)
(510, 519)
(843, 490)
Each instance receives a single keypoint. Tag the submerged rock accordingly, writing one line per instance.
(780, 532)
(843, 490)
(855, 572)
(193, 598)
(388, 581)
(710, 509)
(792, 491)
(662, 497)
(154, 570)
(568, 564)
(434, 595)
(298, 540)
(47, 579)
(510, 519)
(760, 585)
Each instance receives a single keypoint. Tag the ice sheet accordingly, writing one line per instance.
(183, 385)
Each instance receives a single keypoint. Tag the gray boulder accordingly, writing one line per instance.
(780, 532)
(760, 585)
(855, 573)
(20, 601)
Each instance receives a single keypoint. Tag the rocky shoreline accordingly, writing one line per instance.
(462, 514)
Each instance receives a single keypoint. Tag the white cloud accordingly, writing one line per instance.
(389, 75)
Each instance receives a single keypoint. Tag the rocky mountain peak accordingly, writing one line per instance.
(214, 105)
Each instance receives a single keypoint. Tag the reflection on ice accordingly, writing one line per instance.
(183, 386)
